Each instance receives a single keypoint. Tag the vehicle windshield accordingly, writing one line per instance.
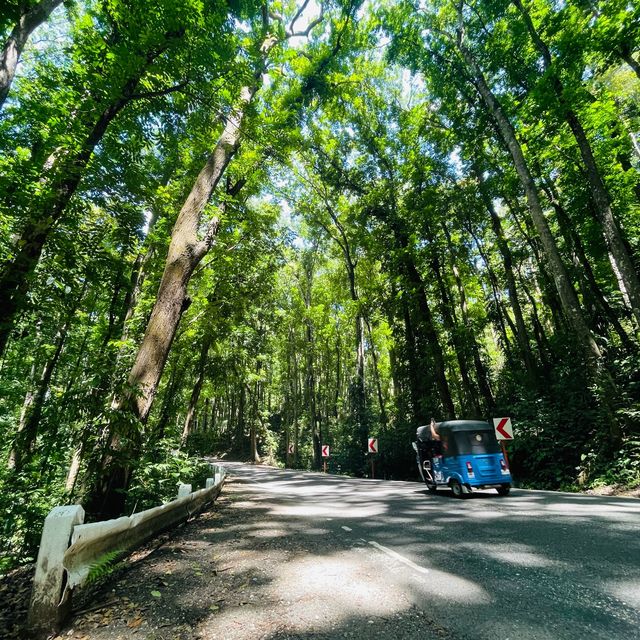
(476, 442)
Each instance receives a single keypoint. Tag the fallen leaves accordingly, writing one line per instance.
(135, 623)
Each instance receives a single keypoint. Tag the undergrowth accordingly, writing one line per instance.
(159, 473)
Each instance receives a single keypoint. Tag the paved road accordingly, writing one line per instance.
(536, 564)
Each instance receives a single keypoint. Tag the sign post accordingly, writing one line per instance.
(289, 452)
(325, 455)
(504, 431)
(372, 449)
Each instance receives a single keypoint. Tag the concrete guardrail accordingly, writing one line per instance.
(69, 548)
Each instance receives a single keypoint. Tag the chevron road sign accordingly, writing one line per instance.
(504, 430)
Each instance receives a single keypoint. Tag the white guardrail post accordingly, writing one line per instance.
(45, 611)
(184, 490)
(69, 548)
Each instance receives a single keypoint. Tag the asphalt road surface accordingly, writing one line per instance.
(536, 564)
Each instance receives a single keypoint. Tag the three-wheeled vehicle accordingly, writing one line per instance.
(466, 456)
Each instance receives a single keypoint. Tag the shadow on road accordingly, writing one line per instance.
(299, 555)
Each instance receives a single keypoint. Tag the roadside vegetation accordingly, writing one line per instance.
(254, 228)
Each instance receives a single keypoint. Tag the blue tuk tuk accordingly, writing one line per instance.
(465, 455)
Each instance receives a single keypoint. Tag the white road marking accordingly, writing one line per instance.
(347, 529)
(398, 557)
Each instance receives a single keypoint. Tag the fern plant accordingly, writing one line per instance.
(104, 566)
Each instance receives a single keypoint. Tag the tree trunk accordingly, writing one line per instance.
(376, 374)
(74, 470)
(567, 294)
(310, 377)
(469, 339)
(538, 330)
(418, 391)
(358, 389)
(139, 271)
(631, 61)
(422, 336)
(186, 250)
(197, 388)
(15, 453)
(241, 423)
(34, 404)
(469, 400)
(294, 413)
(253, 416)
(35, 401)
(205, 415)
(14, 273)
(30, 18)
(622, 262)
(336, 395)
(427, 327)
(521, 333)
(591, 288)
(497, 303)
(359, 395)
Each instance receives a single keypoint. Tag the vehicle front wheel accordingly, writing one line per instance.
(504, 490)
(456, 489)
(432, 487)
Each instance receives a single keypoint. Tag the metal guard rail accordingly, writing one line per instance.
(69, 548)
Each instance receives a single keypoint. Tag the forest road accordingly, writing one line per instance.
(287, 554)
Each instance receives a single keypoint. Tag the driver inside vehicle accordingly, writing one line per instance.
(434, 433)
(436, 445)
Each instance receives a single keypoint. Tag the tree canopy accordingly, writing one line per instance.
(254, 228)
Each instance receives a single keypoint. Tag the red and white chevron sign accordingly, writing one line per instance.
(291, 449)
(373, 445)
(325, 450)
(504, 430)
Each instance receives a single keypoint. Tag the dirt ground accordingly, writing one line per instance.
(614, 490)
(230, 574)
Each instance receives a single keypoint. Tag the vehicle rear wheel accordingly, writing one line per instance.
(504, 490)
(456, 489)
(427, 475)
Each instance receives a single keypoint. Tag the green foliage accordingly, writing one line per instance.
(25, 502)
(104, 566)
(204, 443)
(158, 474)
(622, 471)
(380, 221)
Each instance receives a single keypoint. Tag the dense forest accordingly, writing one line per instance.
(251, 228)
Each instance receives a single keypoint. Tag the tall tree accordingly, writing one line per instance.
(188, 247)
(621, 260)
(128, 62)
(29, 16)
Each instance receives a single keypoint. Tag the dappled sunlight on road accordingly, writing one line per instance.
(452, 588)
(475, 559)
(339, 580)
(485, 515)
(516, 554)
(628, 591)
(294, 556)
(329, 510)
